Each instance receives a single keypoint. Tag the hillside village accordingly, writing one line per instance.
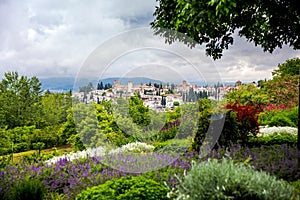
(156, 96)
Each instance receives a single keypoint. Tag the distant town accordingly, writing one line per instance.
(156, 96)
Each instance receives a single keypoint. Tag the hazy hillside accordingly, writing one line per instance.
(67, 83)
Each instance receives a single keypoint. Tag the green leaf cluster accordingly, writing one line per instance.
(247, 94)
(213, 23)
(20, 99)
(274, 139)
(279, 117)
(288, 68)
(126, 188)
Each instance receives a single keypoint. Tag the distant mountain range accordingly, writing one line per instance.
(68, 83)
(135, 80)
(65, 83)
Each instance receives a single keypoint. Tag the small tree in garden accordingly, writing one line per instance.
(248, 93)
(282, 90)
(38, 146)
(138, 112)
(203, 123)
(288, 68)
(247, 117)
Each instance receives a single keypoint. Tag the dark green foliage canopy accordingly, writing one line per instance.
(269, 24)
(138, 112)
(288, 68)
(20, 99)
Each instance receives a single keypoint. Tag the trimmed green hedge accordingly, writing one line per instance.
(126, 189)
(274, 138)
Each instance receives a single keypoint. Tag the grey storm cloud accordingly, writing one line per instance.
(53, 38)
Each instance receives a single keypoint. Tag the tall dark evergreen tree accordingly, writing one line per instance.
(100, 86)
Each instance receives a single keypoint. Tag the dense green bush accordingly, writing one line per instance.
(272, 139)
(296, 185)
(228, 180)
(168, 134)
(280, 120)
(160, 145)
(279, 117)
(25, 138)
(5, 161)
(173, 146)
(31, 189)
(230, 133)
(203, 124)
(126, 189)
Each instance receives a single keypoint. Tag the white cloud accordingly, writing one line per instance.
(53, 38)
(47, 35)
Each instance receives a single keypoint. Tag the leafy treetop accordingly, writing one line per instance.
(269, 24)
(288, 68)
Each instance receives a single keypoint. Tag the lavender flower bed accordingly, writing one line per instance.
(71, 177)
(278, 160)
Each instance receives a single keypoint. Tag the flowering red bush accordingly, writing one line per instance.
(247, 118)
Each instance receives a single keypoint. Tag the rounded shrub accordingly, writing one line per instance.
(228, 180)
(273, 139)
(126, 188)
(173, 146)
(296, 185)
(280, 117)
(281, 120)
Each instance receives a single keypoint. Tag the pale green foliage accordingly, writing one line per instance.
(126, 189)
(229, 180)
(246, 94)
(138, 112)
(55, 106)
(128, 126)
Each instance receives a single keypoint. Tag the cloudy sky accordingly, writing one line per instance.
(109, 38)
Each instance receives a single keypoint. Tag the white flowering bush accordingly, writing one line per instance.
(99, 151)
(265, 130)
(134, 147)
